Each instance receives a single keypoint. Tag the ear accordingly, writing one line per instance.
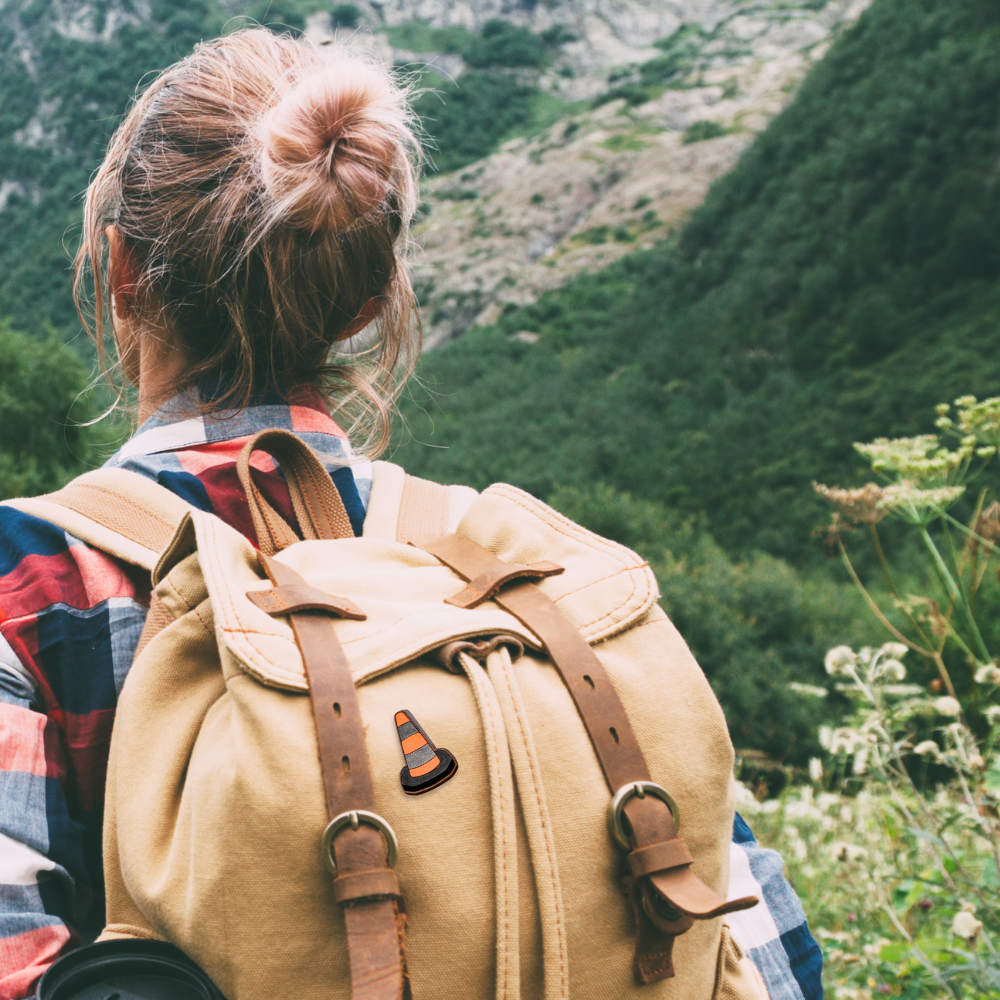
(369, 312)
(122, 275)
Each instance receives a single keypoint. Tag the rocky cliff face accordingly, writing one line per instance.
(603, 182)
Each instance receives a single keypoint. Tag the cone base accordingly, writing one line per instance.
(445, 770)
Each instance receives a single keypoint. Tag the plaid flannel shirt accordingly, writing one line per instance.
(70, 620)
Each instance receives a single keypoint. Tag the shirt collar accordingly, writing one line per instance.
(177, 425)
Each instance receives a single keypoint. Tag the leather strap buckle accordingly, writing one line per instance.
(354, 819)
(639, 789)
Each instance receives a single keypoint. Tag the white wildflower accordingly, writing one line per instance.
(815, 769)
(893, 669)
(846, 741)
(810, 690)
(860, 764)
(992, 714)
(826, 734)
(966, 926)
(976, 762)
(989, 673)
(927, 748)
(897, 650)
(946, 705)
(838, 661)
(918, 505)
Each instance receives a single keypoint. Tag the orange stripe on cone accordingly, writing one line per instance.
(421, 772)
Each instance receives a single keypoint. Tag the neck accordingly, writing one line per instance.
(160, 364)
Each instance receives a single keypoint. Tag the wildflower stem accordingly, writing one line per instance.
(974, 535)
(955, 593)
(876, 610)
(891, 583)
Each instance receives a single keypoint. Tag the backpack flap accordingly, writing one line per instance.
(400, 589)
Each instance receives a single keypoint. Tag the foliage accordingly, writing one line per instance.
(468, 118)
(754, 624)
(419, 36)
(501, 43)
(41, 441)
(701, 130)
(831, 287)
(345, 15)
(898, 873)
(898, 858)
(54, 125)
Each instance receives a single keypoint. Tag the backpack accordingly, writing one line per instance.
(256, 815)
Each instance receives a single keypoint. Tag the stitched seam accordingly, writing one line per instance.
(612, 549)
(613, 611)
(192, 609)
(602, 546)
(507, 672)
(210, 530)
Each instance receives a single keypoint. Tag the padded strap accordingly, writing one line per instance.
(315, 498)
(119, 512)
(673, 886)
(423, 510)
(373, 915)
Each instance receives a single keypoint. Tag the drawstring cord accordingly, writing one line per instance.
(537, 823)
(504, 831)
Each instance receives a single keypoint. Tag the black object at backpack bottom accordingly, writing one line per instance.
(127, 969)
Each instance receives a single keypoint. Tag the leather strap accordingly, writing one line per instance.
(373, 912)
(362, 885)
(484, 586)
(665, 899)
(656, 857)
(315, 498)
(294, 597)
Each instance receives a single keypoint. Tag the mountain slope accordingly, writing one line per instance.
(838, 283)
(69, 68)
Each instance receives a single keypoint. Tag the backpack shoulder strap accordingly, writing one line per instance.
(405, 508)
(121, 513)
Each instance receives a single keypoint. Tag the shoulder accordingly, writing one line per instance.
(60, 601)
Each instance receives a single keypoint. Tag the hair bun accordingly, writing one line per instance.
(332, 145)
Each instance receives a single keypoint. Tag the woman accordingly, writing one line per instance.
(251, 214)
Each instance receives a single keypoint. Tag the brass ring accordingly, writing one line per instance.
(354, 818)
(640, 789)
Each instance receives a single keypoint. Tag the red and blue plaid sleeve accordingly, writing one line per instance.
(69, 621)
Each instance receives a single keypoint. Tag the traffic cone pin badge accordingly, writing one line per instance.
(427, 766)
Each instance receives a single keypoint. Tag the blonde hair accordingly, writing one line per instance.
(263, 190)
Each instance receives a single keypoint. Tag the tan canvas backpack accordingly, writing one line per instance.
(255, 815)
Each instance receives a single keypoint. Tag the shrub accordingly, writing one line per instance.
(469, 118)
(41, 442)
(502, 44)
(702, 130)
(345, 15)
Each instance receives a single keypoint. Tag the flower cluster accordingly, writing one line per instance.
(921, 461)
(980, 420)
